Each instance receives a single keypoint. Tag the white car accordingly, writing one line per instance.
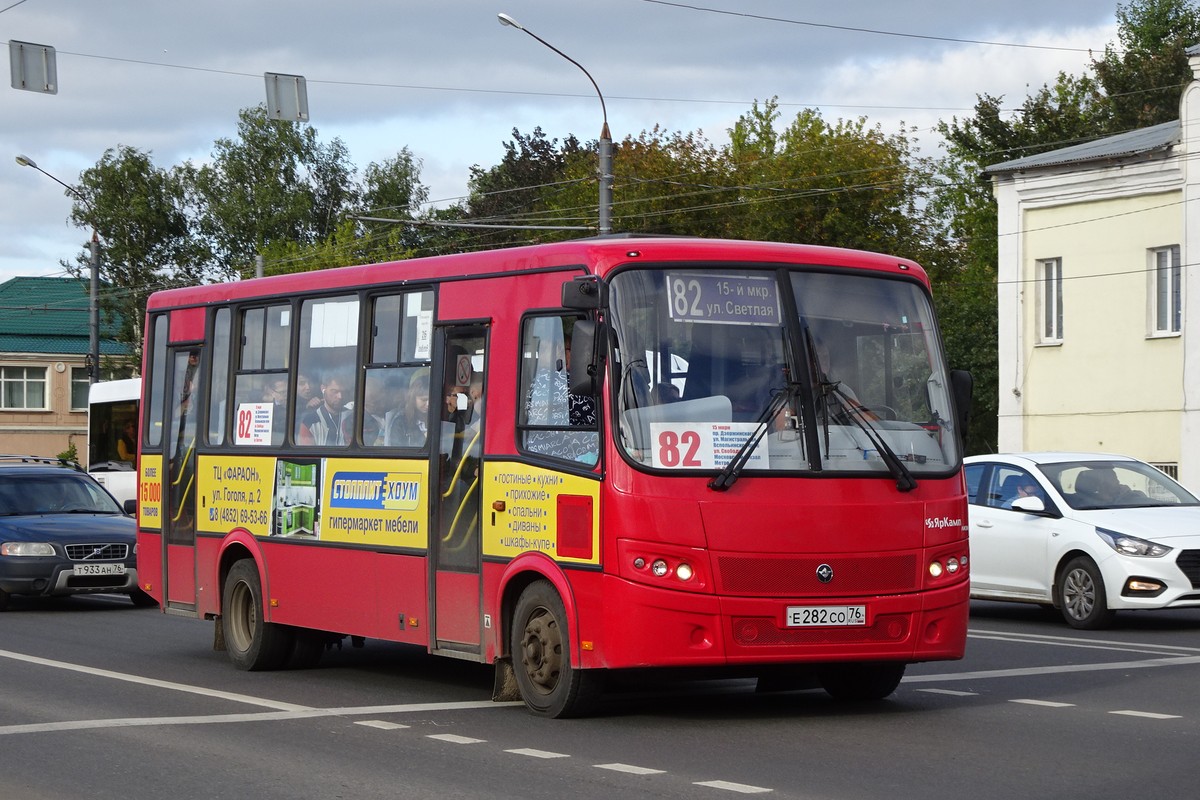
(1086, 533)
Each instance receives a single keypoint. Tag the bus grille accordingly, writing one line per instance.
(765, 632)
(761, 576)
(1189, 562)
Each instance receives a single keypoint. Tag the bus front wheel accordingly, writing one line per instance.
(550, 684)
(252, 642)
(861, 681)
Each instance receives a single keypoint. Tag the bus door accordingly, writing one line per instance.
(179, 512)
(455, 552)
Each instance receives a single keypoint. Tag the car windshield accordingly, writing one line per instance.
(66, 493)
(1088, 485)
(710, 357)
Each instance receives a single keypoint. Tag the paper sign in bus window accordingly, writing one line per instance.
(695, 445)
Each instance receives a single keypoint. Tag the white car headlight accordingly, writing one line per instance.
(26, 549)
(1132, 545)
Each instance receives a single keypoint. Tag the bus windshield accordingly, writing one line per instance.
(112, 425)
(834, 371)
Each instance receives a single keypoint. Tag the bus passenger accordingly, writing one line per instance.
(328, 423)
(551, 403)
(374, 424)
(664, 393)
(127, 443)
(275, 393)
(409, 424)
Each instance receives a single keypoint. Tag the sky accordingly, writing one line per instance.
(446, 80)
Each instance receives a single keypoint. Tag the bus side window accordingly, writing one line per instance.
(323, 412)
(219, 389)
(554, 421)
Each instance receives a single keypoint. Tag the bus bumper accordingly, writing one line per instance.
(664, 628)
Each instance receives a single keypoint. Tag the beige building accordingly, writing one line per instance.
(1099, 339)
(44, 381)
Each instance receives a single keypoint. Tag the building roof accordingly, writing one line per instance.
(1138, 142)
(50, 315)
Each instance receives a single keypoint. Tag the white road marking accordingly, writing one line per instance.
(264, 716)
(178, 687)
(1046, 703)
(1092, 644)
(454, 738)
(1146, 714)
(383, 725)
(740, 788)
(1061, 669)
(629, 768)
(950, 692)
(526, 751)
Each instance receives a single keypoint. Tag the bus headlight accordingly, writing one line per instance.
(683, 572)
(659, 568)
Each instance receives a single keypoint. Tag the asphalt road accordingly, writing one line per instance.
(102, 700)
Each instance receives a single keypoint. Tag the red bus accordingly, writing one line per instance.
(565, 460)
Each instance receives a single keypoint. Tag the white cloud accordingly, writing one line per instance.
(447, 81)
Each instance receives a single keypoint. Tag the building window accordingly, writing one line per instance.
(80, 384)
(1050, 303)
(1166, 291)
(23, 388)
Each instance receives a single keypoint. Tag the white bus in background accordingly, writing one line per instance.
(112, 436)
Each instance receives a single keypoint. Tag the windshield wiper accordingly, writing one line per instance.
(905, 481)
(730, 472)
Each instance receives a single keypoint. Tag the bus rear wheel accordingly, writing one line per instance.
(252, 642)
(550, 684)
(861, 681)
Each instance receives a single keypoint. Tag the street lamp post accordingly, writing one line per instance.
(605, 155)
(93, 295)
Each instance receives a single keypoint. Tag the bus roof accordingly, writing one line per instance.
(603, 254)
(110, 391)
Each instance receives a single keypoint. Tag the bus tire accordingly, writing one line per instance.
(308, 647)
(861, 681)
(549, 683)
(252, 643)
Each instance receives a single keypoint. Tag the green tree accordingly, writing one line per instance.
(276, 184)
(515, 191)
(844, 184)
(663, 182)
(1144, 75)
(393, 189)
(140, 216)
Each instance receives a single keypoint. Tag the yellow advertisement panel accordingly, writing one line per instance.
(374, 501)
(235, 492)
(150, 492)
(533, 508)
(359, 501)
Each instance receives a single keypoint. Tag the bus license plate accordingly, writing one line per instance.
(99, 569)
(825, 616)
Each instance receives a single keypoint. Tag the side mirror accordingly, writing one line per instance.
(585, 293)
(1034, 505)
(583, 374)
(130, 507)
